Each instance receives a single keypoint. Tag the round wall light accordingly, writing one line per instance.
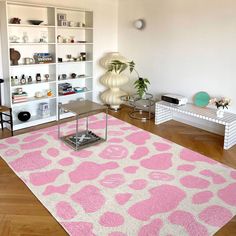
(139, 24)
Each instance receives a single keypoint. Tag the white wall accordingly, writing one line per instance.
(105, 29)
(186, 47)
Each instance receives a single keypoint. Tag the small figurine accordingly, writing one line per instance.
(49, 93)
(59, 39)
(25, 37)
(72, 39)
(30, 80)
(15, 20)
(46, 77)
(83, 55)
(73, 75)
(38, 77)
(23, 80)
(14, 39)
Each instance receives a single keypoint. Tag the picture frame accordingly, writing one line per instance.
(61, 16)
(62, 23)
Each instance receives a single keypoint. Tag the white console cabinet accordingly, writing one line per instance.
(166, 111)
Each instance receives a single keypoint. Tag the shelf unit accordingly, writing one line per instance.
(49, 29)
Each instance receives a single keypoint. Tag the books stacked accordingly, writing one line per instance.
(17, 98)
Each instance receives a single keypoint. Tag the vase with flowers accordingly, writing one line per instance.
(221, 104)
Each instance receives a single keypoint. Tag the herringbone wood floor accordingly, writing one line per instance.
(21, 214)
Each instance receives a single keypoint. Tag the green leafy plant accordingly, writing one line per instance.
(141, 84)
(119, 66)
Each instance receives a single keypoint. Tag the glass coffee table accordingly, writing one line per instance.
(82, 109)
(141, 106)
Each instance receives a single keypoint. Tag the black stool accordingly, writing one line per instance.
(5, 111)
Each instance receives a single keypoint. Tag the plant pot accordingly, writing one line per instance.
(220, 112)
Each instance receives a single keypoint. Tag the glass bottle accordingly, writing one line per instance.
(25, 37)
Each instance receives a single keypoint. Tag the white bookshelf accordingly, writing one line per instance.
(83, 42)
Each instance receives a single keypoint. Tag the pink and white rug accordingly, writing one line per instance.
(135, 184)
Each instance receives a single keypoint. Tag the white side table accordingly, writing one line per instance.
(165, 111)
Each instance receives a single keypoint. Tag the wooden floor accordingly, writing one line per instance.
(21, 214)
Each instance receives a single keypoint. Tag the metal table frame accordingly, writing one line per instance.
(78, 116)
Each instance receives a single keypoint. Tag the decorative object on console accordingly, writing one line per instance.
(24, 116)
(14, 56)
(221, 104)
(201, 99)
(35, 22)
(60, 59)
(176, 99)
(15, 20)
(113, 79)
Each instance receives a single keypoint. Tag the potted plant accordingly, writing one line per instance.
(119, 66)
(141, 84)
(220, 104)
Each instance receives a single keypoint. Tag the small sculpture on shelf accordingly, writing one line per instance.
(25, 37)
(43, 37)
(24, 116)
(23, 80)
(46, 77)
(15, 20)
(14, 39)
(49, 93)
(44, 110)
(72, 39)
(14, 56)
(38, 94)
(30, 80)
(83, 56)
(38, 77)
(73, 75)
(59, 39)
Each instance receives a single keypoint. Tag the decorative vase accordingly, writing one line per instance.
(24, 116)
(220, 112)
(113, 81)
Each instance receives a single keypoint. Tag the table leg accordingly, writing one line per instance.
(58, 121)
(230, 136)
(86, 124)
(106, 124)
(76, 140)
